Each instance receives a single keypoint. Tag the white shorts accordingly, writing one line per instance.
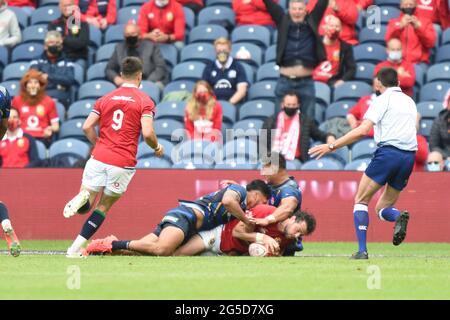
(211, 239)
(114, 179)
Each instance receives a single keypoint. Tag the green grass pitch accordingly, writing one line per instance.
(322, 271)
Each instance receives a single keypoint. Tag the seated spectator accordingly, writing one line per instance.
(340, 65)
(203, 115)
(440, 133)
(100, 14)
(225, 75)
(346, 11)
(22, 3)
(362, 5)
(75, 33)
(435, 162)
(435, 11)
(38, 113)
(17, 149)
(293, 130)
(416, 34)
(155, 68)
(9, 27)
(405, 70)
(252, 12)
(194, 5)
(162, 21)
(56, 69)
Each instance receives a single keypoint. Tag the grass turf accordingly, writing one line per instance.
(411, 271)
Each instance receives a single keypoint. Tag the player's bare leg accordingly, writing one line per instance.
(193, 247)
(165, 245)
(10, 235)
(81, 203)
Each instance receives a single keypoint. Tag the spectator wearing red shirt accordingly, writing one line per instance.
(363, 4)
(203, 115)
(252, 12)
(405, 70)
(435, 11)
(194, 5)
(17, 149)
(416, 34)
(37, 110)
(100, 14)
(340, 65)
(162, 21)
(346, 11)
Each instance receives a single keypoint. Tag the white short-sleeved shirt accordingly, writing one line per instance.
(394, 115)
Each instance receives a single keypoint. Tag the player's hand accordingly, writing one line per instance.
(319, 151)
(274, 247)
(249, 221)
(225, 183)
(159, 150)
(262, 222)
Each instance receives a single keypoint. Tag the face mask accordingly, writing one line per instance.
(202, 97)
(395, 55)
(223, 56)
(290, 112)
(409, 11)
(13, 124)
(161, 3)
(332, 34)
(54, 50)
(132, 41)
(377, 92)
(433, 167)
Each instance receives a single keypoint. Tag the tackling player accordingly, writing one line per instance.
(121, 115)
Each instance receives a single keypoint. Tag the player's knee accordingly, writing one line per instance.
(163, 251)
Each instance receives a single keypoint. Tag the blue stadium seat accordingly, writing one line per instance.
(439, 72)
(169, 53)
(207, 33)
(248, 53)
(80, 109)
(13, 87)
(191, 70)
(3, 57)
(323, 93)
(388, 13)
(446, 37)
(164, 128)
(249, 71)
(105, 52)
(152, 90)
(114, 33)
(274, 37)
(247, 127)
(171, 110)
(364, 72)
(358, 165)
(127, 3)
(186, 164)
(369, 52)
(429, 109)
(144, 151)
(127, 14)
(15, 71)
(96, 71)
(236, 164)
(268, 71)
(241, 149)
(95, 36)
(43, 3)
(255, 34)
(271, 54)
(293, 165)
(72, 149)
(210, 15)
(78, 73)
(41, 149)
(225, 3)
(338, 109)
(95, 89)
(189, 17)
(197, 151)
(203, 52)
(443, 54)
(61, 110)
(352, 90)
(44, 15)
(425, 127)
(179, 85)
(373, 35)
(228, 112)
(22, 16)
(434, 91)
(72, 129)
(363, 149)
(262, 90)
(322, 164)
(420, 75)
(27, 51)
(393, 3)
(153, 163)
(257, 109)
(341, 155)
(34, 33)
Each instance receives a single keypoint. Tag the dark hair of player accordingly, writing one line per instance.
(131, 66)
(308, 218)
(277, 157)
(261, 186)
(388, 77)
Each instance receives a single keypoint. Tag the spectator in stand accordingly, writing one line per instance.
(435, 162)
(22, 3)
(435, 11)
(38, 113)
(194, 5)
(340, 65)
(9, 27)
(440, 131)
(346, 11)
(252, 12)
(155, 68)
(17, 149)
(100, 14)
(416, 34)
(294, 130)
(56, 69)
(162, 21)
(362, 5)
(75, 32)
(225, 75)
(405, 70)
(203, 116)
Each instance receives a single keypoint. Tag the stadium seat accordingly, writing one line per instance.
(95, 36)
(169, 53)
(144, 150)
(95, 89)
(13, 87)
(248, 53)
(445, 37)
(191, 70)
(80, 109)
(189, 17)
(270, 54)
(429, 109)
(153, 163)
(197, 151)
(393, 3)
(338, 109)
(342, 155)
(78, 73)
(180, 85)
(207, 33)
(214, 14)
(105, 52)
(225, 3)
(27, 52)
(96, 71)
(3, 57)
(322, 164)
(127, 3)
(249, 71)
(228, 112)
(443, 54)
(34, 33)
(44, 15)
(236, 164)
(247, 128)
(72, 129)
(323, 93)
(352, 90)
(186, 164)
(434, 91)
(256, 34)
(274, 37)
(165, 128)
(293, 165)
(425, 127)
(127, 14)
(22, 16)
(268, 71)
(61, 110)
(72, 150)
(43, 3)
(264, 90)
(41, 149)
(171, 110)
(358, 165)
(257, 109)
(372, 35)
(152, 90)
(15, 71)
(363, 149)
(364, 72)
(388, 13)
(420, 75)
(439, 72)
(369, 52)
(241, 149)
(114, 33)
(202, 52)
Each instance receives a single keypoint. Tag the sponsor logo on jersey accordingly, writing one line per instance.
(123, 98)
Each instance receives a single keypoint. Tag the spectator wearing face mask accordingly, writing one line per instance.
(154, 66)
(405, 70)
(293, 130)
(163, 21)
(37, 110)
(225, 75)
(203, 115)
(100, 14)
(17, 149)
(440, 131)
(340, 65)
(435, 162)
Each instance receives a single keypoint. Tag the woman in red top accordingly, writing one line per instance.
(252, 12)
(203, 115)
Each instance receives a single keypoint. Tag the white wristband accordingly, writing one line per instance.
(158, 148)
(271, 218)
(259, 237)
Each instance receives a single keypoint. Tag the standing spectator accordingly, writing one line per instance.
(299, 49)
(17, 149)
(194, 5)
(38, 113)
(440, 131)
(294, 130)
(203, 116)
(100, 14)
(435, 11)
(405, 70)
(162, 21)
(252, 12)
(346, 11)
(416, 34)
(9, 27)
(340, 65)
(155, 69)
(74, 31)
(56, 69)
(226, 75)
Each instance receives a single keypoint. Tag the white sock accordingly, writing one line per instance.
(77, 244)
(6, 224)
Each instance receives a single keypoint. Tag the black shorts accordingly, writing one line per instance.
(181, 217)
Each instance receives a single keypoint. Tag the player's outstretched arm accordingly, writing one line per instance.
(282, 212)
(89, 127)
(149, 135)
(231, 201)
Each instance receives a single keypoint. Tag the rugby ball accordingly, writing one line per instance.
(258, 250)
